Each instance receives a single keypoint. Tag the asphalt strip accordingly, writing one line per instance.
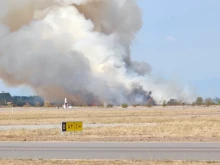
(52, 126)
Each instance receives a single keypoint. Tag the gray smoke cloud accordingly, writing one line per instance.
(78, 49)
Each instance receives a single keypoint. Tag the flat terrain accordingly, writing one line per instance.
(111, 151)
(100, 162)
(103, 115)
(168, 124)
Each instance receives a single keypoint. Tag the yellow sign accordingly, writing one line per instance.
(72, 126)
(78, 126)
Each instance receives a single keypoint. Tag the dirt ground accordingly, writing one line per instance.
(172, 124)
(98, 162)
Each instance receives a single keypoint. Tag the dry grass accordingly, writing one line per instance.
(172, 124)
(102, 115)
(167, 129)
(104, 162)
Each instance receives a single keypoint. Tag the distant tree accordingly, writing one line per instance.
(4, 98)
(110, 105)
(26, 105)
(37, 104)
(85, 105)
(134, 105)
(208, 102)
(219, 102)
(101, 105)
(199, 101)
(124, 105)
(150, 102)
(172, 102)
(193, 104)
(47, 104)
(22, 100)
(164, 103)
(149, 105)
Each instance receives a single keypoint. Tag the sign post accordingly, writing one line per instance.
(73, 126)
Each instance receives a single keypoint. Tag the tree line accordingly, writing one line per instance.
(36, 101)
(7, 100)
(198, 102)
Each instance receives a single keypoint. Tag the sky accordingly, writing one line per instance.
(180, 40)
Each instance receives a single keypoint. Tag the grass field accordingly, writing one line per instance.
(104, 115)
(172, 124)
(97, 162)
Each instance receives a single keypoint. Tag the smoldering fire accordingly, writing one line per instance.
(77, 48)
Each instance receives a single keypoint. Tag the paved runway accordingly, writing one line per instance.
(108, 150)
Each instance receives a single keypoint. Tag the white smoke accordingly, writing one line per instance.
(79, 49)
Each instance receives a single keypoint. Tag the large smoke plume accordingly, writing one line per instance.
(78, 49)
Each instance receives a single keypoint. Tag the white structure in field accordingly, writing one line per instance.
(65, 105)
